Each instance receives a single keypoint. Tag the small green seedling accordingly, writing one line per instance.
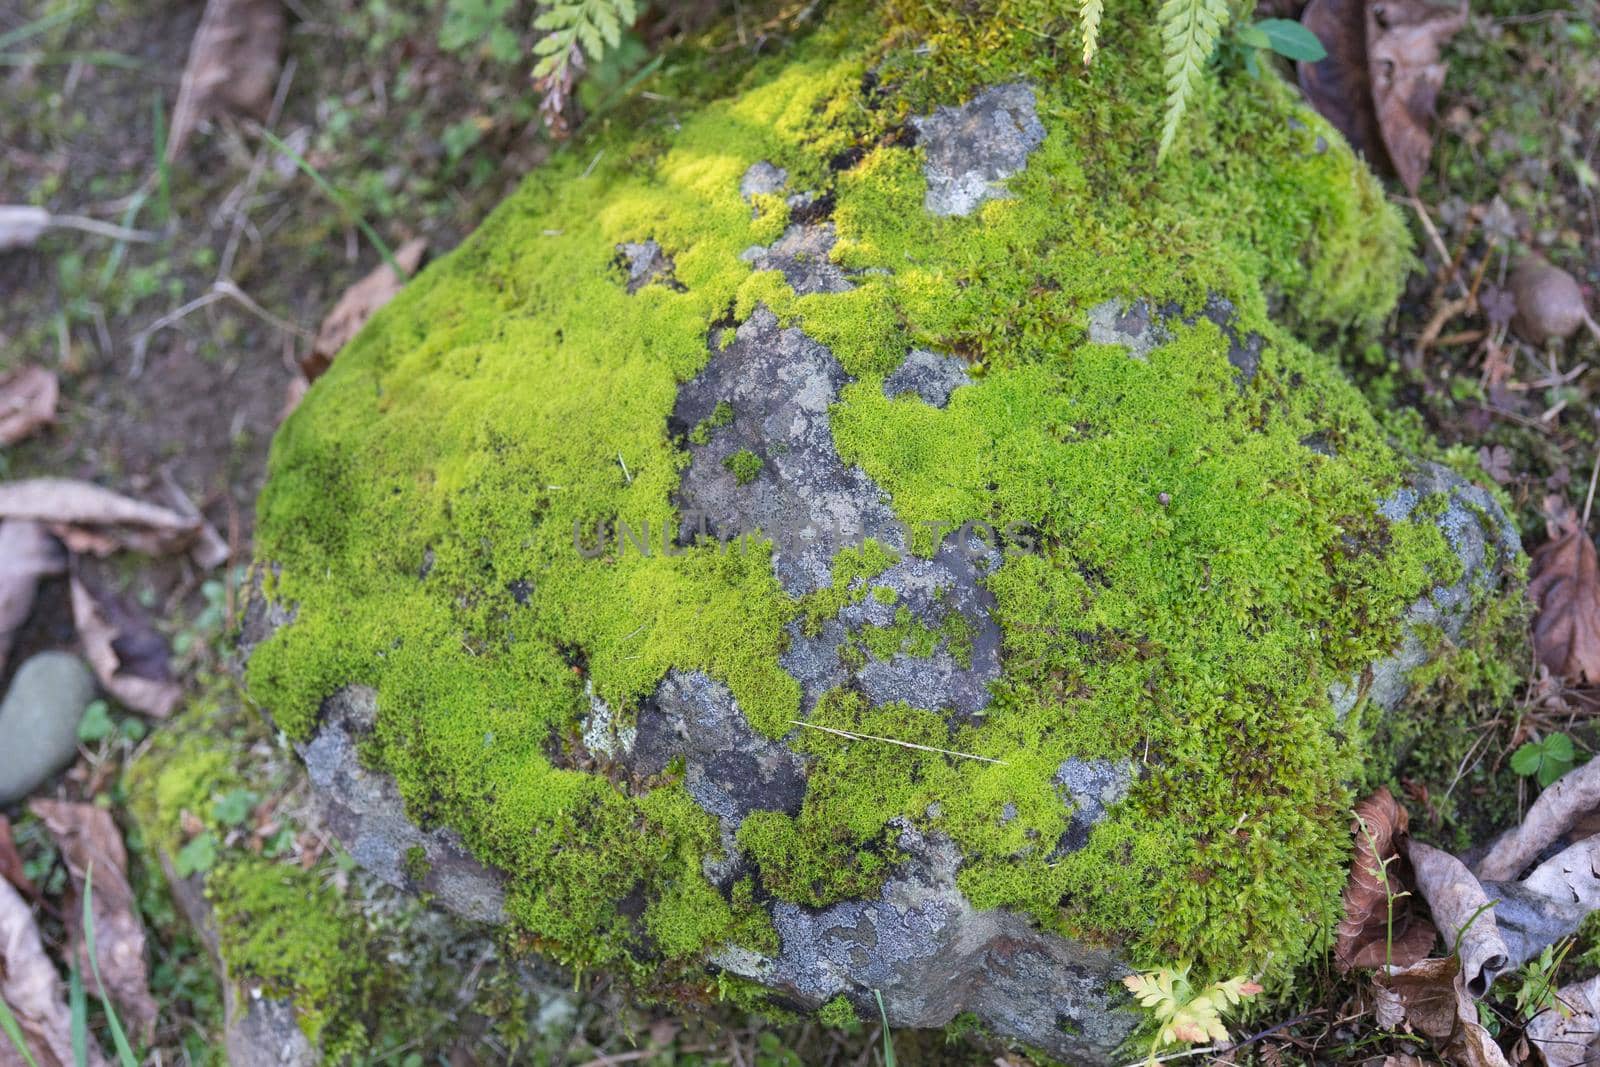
(1546, 760)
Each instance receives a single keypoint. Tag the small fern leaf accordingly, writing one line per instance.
(1189, 32)
(1089, 12)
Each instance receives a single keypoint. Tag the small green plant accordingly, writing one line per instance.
(744, 464)
(1536, 983)
(1546, 760)
(888, 1038)
(480, 24)
(1184, 1015)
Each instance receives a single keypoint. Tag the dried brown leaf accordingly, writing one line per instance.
(11, 866)
(1404, 42)
(1437, 1006)
(1381, 77)
(27, 554)
(1570, 1035)
(1462, 913)
(232, 68)
(128, 655)
(1339, 85)
(88, 839)
(28, 398)
(1380, 924)
(1565, 584)
(358, 304)
(32, 988)
(92, 520)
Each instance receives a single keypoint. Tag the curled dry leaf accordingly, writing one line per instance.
(94, 521)
(1462, 912)
(1381, 77)
(32, 988)
(1552, 815)
(232, 68)
(1437, 1006)
(28, 398)
(1380, 924)
(27, 554)
(1565, 584)
(88, 838)
(128, 655)
(1570, 1035)
(358, 304)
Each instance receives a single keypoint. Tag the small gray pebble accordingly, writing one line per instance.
(39, 721)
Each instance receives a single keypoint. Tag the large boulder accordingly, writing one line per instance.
(866, 535)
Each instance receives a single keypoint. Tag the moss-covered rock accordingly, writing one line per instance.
(867, 533)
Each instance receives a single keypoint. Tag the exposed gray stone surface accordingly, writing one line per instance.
(973, 148)
(729, 769)
(1091, 786)
(936, 592)
(932, 956)
(801, 254)
(929, 375)
(364, 809)
(779, 383)
(646, 264)
(1483, 538)
(39, 721)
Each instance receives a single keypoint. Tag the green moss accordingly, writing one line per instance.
(1200, 578)
(838, 1013)
(283, 928)
(415, 865)
(744, 465)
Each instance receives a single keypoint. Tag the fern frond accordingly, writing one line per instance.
(1089, 12)
(1189, 32)
(569, 25)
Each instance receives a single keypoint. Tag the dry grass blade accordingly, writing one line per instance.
(1380, 924)
(86, 835)
(1462, 913)
(1565, 584)
(232, 68)
(31, 987)
(28, 398)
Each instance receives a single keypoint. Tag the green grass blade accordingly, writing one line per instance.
(163, 168)
(37, 26)
(78, 1006)
(333, 194)
(888, 1039)
(119, 1038)
(8, 1023)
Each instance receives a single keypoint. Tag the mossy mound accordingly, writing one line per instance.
(918, 273)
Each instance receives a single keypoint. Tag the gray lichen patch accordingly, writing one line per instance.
(928, 375)
(646, 264)
(1114, 322)
(802, 255)
(1485, 541)
(971, 150)
(944, 595)
(729, 769)
(763, 179)
(804, 497)
(1141, 330)
(1091, 786)
(603, 732)
(932, 956)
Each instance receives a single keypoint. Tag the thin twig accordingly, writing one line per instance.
(894, 741)
(1588, 501)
